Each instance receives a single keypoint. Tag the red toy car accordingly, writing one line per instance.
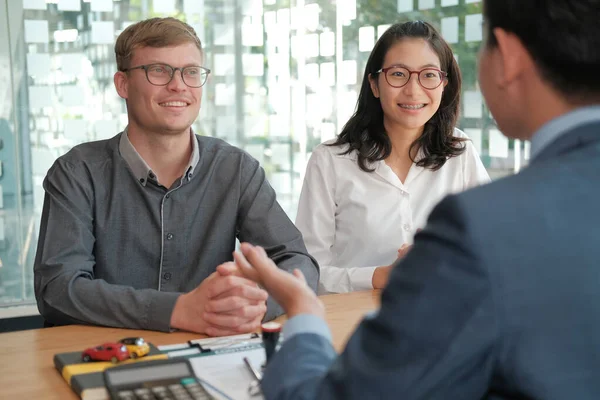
(106, 352)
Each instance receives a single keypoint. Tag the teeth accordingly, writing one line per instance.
(412, 107)
(174, 104)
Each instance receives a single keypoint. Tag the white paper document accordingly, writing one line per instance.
(228, 374)
(222, 369)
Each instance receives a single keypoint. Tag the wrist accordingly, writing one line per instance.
(307, 307)
(187, 316)
(175, 322)
(380, 277)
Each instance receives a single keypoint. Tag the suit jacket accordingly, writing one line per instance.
(498, 299)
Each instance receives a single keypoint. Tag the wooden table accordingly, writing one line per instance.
(27, 370)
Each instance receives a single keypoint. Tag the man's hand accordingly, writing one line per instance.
(225, 303)
(289, 290)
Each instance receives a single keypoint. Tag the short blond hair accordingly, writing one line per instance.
(153, 32)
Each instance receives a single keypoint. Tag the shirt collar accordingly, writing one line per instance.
(382, 169)
(552, 130)
(142, 170)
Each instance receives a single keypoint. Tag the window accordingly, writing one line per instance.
(285, 77)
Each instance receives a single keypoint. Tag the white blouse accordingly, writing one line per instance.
(354, 221)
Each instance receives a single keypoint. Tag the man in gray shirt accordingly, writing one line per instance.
(138, 231)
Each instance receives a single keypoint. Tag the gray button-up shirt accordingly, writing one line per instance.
(117, 248)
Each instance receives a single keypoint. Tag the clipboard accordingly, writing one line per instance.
(211, 345)
(219, 363)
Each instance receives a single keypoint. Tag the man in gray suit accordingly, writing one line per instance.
(500, 296)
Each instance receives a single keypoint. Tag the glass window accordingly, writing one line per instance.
(286, 75)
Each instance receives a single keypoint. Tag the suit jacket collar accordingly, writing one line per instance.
(580, 136)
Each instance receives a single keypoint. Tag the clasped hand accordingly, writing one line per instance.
(225, 303)
(289, 290)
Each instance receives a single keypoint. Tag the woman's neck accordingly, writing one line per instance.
(401, 158)
(402, 139)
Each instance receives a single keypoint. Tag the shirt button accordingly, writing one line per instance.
(407, 227)
(169, 236)
(167, 195)
(167, 276)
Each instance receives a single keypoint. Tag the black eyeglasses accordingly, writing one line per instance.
(162, 74)
(429, 78)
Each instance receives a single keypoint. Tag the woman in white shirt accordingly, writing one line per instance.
(366, 193)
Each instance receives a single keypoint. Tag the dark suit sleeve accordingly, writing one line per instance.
(263, 222)
(433, 338)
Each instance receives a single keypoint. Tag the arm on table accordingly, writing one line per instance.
(65, 288)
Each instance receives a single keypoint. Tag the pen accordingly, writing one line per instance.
(253, 371)
(254, 387)
(207, 345)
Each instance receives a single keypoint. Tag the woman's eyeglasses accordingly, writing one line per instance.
(429, 78)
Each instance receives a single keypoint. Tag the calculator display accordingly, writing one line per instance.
(144, 374)
(168, 379)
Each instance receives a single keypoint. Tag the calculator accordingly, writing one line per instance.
(171, 379)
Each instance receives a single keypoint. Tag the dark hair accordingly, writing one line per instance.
(365, 132)
(565, 44)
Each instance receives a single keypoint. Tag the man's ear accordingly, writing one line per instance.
(121, 84)
(374, 85)
(512, 57)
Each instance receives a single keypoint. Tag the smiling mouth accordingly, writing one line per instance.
(173, 104)
(412, 106)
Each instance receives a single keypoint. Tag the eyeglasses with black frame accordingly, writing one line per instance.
(162, 74)
(429, 78)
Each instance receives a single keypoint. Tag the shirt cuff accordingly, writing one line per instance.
(306, 323)
(160, 310)
(362, 278)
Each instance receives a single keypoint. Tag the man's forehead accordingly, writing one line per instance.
(186, 52)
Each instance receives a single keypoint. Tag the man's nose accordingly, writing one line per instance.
(177, 82)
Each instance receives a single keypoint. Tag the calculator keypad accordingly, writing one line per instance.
(186, 389)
